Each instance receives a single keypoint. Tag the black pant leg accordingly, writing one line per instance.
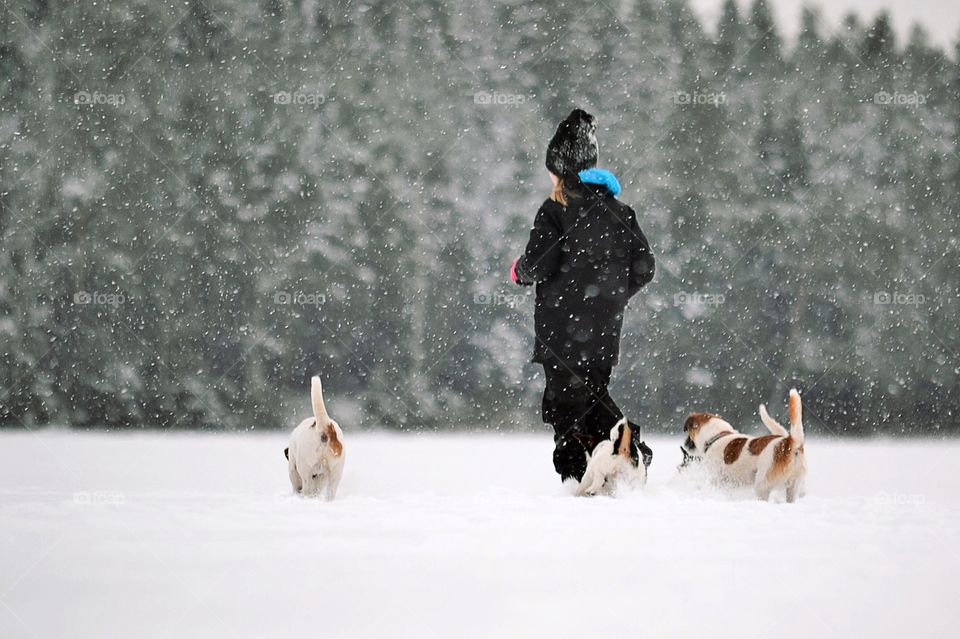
(565, 408)
(576, 404)
(551, 409)
(563, 397)
(604, 412)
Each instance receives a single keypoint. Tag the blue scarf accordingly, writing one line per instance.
(602, 177)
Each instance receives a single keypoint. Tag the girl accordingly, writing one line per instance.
(587, 256)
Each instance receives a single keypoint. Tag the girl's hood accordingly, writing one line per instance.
(602, 177)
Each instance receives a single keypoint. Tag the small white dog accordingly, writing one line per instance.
(616, 461)
(315, 455)
(738, 459)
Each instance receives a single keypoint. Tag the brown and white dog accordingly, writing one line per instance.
(768, 462)
(315, 455)
(620, 460)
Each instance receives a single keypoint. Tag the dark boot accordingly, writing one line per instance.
(569, 455)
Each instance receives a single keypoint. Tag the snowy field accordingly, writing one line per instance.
(463, 536)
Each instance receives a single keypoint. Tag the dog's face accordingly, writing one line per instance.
(691, 428)
(697, 425)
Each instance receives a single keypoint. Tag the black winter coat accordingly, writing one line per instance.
(587, 261)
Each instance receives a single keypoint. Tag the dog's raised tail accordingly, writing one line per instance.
(772, 425)
(316, 396)
(796, 417)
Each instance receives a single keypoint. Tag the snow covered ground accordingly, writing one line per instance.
(153, 535)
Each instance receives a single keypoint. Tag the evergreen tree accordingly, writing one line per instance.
(730, 39)
(766, 54)
(878, 51)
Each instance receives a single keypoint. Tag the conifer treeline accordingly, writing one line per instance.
(204, 202)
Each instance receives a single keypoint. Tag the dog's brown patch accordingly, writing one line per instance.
(731, 452)
(336, 446)
(695, 422)
(757, 444)
(624, 447)
(782, 457)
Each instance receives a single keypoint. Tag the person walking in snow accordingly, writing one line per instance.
(588, 257)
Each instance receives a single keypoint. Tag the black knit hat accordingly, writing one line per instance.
(574, 145)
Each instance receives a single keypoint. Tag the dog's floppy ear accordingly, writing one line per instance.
(695, 421)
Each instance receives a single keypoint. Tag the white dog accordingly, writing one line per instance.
(737, 459)
(616, 461)
(315, 455)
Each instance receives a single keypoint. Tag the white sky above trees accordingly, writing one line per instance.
(940, 18)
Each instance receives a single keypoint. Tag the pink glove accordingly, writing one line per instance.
(513, 271)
